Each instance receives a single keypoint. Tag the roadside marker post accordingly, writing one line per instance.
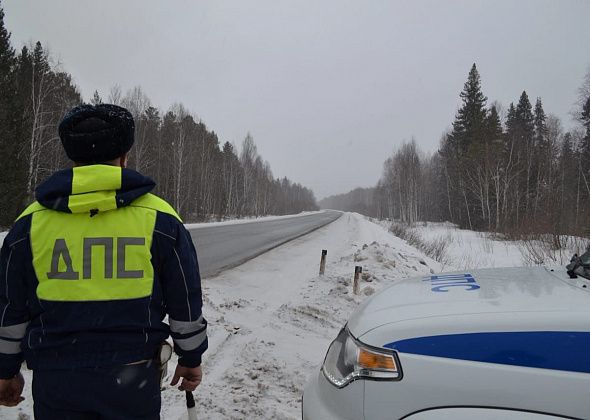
(323, 261)
(357, 274)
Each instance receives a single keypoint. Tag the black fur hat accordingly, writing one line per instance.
(97, 133)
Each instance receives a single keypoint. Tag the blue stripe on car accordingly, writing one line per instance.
(557, 350)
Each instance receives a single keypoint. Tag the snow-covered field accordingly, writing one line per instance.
(272, 319)
(469, 249)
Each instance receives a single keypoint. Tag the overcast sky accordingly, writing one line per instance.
(328, 88)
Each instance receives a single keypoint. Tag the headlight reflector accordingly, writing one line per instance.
(348, 359)
(371, 360)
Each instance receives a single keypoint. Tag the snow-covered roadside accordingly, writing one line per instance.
(249, 220)
(272, 319)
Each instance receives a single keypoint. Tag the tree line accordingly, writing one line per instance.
(513, 170)
(359, 200)
(200, 177)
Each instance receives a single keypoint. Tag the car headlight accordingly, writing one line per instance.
(348, 360)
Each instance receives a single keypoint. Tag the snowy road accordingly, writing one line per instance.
(224, 246)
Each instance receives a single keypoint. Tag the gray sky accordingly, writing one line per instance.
(327, 88)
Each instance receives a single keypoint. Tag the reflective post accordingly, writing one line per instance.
(323, 261)
(357, 274)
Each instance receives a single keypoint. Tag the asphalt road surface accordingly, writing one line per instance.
(224, 246)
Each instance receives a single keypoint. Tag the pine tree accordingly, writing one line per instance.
(511, 128)
(24, 82)
(470, 119)
(542, 161)
(494, 170)
(585, 117)
(7, 62)
(464, 147)
(524, 130)
(40, 61)
(96, 99)
(539, 123)
(584, 147)
(511, 122)
(7, 55)
(151, 122)
(525, 119)
(494, 126)
(12, 168)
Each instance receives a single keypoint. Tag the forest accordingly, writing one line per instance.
(511, 170)
(201, 176)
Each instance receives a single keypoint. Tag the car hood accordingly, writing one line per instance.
(487, 300)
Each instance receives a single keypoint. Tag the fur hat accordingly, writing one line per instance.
(97, 133)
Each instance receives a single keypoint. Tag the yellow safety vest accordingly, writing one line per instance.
(105, 257)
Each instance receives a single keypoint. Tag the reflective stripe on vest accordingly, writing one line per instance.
(103, 180)
(149, 201)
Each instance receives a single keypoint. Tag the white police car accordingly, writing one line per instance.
(508, 343)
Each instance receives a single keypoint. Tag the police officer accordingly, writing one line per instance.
(88, 273)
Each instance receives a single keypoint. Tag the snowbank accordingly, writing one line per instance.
(249, 220)
(272, 319)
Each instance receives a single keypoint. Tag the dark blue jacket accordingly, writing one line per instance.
(60, 308)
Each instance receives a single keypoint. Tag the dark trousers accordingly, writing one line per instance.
(114, 393)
